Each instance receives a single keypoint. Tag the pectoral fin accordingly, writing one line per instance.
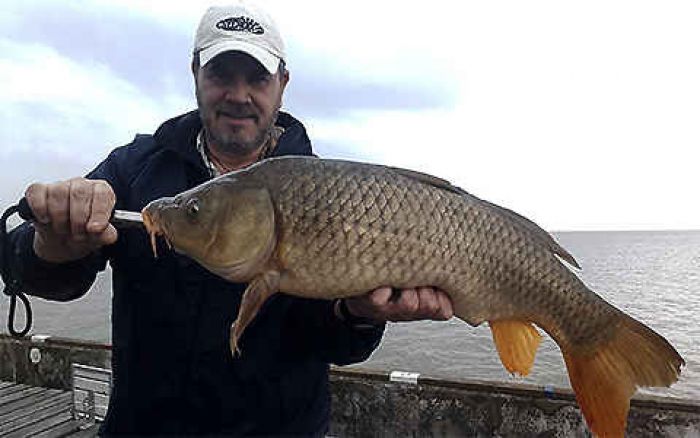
(516, 342)
(258, 291)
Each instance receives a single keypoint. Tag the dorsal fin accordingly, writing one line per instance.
(537, 231)
(430, 180)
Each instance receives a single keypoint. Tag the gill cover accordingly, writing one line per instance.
(231, 225)
(244, 226)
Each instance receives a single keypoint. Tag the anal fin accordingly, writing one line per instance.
(517, 342)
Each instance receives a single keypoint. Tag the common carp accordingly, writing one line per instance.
(323, 228)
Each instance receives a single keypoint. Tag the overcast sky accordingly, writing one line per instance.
(579, 115)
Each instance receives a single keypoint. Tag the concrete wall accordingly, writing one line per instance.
(46, 362)
(368, 404)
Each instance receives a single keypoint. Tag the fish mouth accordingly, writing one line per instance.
(155, 227)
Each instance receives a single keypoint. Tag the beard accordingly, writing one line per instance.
(231, 142)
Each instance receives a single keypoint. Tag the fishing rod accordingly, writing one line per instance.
(12, 286)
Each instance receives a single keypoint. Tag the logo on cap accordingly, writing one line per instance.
(241, 24)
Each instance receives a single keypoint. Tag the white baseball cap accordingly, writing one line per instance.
(239, 27)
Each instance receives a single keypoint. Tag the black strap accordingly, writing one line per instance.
(12, 285)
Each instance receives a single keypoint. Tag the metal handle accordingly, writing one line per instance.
(120, 218)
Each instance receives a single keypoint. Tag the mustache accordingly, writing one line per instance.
(239, 111)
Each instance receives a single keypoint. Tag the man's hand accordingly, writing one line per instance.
(72, 218)
(383, 304)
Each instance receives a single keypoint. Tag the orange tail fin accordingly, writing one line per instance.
(516, 342)
(605, 378)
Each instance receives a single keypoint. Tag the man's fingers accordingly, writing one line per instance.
(408, 304)
(101, 207)
(421, 303)
(380, 297)
(57, 201)
(429, 304)
(446, 310)
(72, 218)
(386, 304)
(79, 210)
(109, 236)
(106, 237)
(36, 197)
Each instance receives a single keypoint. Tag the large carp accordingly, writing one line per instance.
(329, 228)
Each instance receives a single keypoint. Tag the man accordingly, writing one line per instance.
(172, 369)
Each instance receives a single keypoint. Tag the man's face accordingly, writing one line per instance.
(238, 101)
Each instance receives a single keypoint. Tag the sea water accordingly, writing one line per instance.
(653, 276)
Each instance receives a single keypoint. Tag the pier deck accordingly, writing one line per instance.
(38, 412)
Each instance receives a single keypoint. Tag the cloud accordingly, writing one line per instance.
(140, 46)
(53, 102)
(578, 116)
(59, 117)
(136, 48)
(317, 90)
(80, 78)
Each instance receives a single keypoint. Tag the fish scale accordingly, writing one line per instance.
(333, 229)
(409, 207)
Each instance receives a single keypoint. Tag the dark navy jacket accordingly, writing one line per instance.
(172, 368)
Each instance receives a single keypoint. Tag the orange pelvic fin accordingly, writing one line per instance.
(604, 379)
(516, 342)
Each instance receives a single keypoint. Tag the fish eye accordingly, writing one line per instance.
(192, 207)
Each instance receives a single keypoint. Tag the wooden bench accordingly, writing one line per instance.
(91, 388)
